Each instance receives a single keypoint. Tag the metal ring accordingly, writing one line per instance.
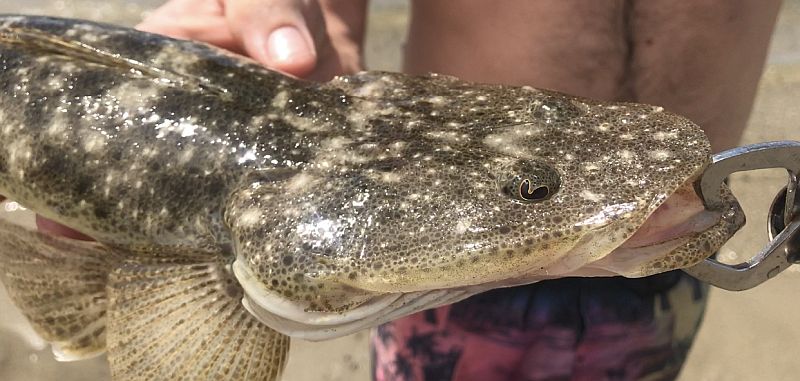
(776, 223)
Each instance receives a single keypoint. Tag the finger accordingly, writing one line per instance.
(281, 34)
(209, 29)
(200, 20)
(180, 8)
(54, 228)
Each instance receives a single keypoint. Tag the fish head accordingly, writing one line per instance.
(375, 228)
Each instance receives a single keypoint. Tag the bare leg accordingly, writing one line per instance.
(701, 58)
(572, 46)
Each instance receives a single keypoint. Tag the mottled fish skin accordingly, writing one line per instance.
(329, 196)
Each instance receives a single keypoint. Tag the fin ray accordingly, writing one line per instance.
(60, 286)
(176, 320)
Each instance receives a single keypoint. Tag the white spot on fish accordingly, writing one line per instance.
(506, 143)
(307, 124)
(186, 127)
(525, 130)
(92, 140)
(281, 99)
(186, 155)
(660, 154)
(373, 89)
(247, 156)
(463, 225)
(19, 151)
(661, 135)
(130, 95)
(626, 155)
(591, 196)
(398, 146)
(438, 100)
(249, 217)
(391, 177)
(300, 182)
(336, 143)
(448, 136)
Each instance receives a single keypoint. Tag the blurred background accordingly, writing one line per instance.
(750, 335)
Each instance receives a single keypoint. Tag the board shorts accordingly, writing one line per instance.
(565, 329)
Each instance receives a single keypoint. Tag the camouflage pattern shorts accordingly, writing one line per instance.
(566, 329)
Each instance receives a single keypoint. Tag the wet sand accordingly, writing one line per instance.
(750, 335)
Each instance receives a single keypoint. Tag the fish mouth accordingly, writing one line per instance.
(682, 214)
(677, 234)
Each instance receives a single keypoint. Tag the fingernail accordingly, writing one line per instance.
(286, 45)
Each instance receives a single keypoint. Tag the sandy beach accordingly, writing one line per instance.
(750, 335)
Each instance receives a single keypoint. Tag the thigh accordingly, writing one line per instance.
(574, 46)
(702, 59)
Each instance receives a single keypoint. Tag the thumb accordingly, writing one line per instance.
(280, 34)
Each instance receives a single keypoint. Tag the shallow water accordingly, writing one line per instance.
(750, 335)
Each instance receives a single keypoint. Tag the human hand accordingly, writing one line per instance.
(313, 39)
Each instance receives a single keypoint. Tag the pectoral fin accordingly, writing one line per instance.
(185, 321)
(60, 286)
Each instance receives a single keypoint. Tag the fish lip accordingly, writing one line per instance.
(290, 318)
(288, 309)
(317, 326)
(700, 220)
(707, 218)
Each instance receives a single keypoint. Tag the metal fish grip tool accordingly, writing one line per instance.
(783, 249)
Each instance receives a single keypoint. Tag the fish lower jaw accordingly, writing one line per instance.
(319, 326)
(294, 319)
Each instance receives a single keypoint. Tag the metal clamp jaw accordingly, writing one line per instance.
(783, 250)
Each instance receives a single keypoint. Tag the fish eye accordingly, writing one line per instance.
(532, 182)
(532, 192)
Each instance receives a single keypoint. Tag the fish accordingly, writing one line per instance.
(232, 208)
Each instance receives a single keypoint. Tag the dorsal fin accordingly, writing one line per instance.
(48, 43)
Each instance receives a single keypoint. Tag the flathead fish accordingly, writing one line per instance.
(233, 207)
